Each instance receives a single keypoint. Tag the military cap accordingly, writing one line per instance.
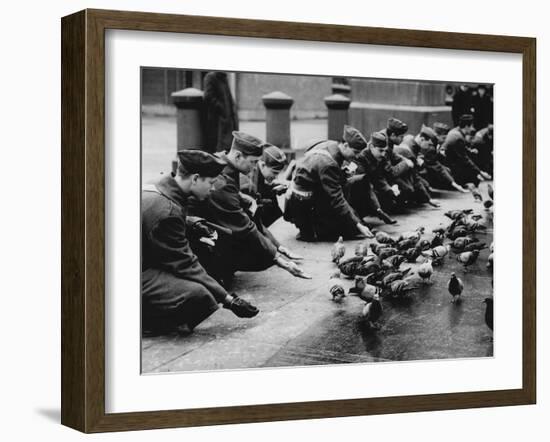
(441, 128)
(378, 139)
(354, 138)
(428, 132)
(200, 162)
(247, 144)
(273, 157)
(466, 118)
(397, 126)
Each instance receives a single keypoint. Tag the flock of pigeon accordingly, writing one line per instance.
(379, 268)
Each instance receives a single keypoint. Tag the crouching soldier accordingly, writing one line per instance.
(482, 143)
(243, 247)
(176, 290)
(372, 192)
(463, 169)
(437, 174)
(263, 186)
(315, 202)
(398, 168)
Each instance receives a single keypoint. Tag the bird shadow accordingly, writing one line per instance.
(51, 414)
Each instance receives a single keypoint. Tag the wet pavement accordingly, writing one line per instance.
(300, 325)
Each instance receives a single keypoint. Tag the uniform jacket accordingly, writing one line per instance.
(221, 113)
(374, 170)
(456, 153)
(395, 165)
(256, 186)
(320, 172)
(225, 208)
(165, 245)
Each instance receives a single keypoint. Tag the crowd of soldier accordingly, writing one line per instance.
(211, 217)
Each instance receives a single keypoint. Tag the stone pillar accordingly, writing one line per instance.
(189, 104)
(341, 89)
(338, 106)
(277, 119)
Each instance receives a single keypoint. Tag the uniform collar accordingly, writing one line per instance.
(334, 151)
(170, 189)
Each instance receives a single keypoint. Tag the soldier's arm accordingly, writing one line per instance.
(170, 245)
(396, 165)
(330, 182)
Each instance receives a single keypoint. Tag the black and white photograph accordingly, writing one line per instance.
(304, 220)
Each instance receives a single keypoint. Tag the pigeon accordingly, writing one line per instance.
(476, 217)
(363, 290)
(400, 288)
(386, 252)
(454, 214)
(425, 270)
(338, 250)
(490, 190)
(411, 254)
(362, 249)
(357, 266)
(372, 312)
(455, 287)
(416, 234)
(335, 287)
(376, 277)
(392, 262)
(474, 226)
(489, 312)
(394, 276)
(436, 240)
(406, 243)
(490, 262)
(384, 238)
(441, 230)
(458, 232)
(478, 198)
(467, 258)
(437, 252)
(423, 244)
(462, 241)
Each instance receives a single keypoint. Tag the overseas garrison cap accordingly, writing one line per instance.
(273, 157)
(354, 138)
(397, 126)
(466, 118)
(428, 132)
(378, 139)
(201, 162)
(247, 144)
(441, 128)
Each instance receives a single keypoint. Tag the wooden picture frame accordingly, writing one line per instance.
(83, 219)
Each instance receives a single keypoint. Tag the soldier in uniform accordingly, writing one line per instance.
(458, 159)
(371, 191)
(243, 247)
(177, 293)
(400, 170)
(263, 185)
(422, 149)
(437, 174)
(316, 203)
(483, 144)
(417, 149)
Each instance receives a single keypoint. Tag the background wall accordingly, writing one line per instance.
(30, 221)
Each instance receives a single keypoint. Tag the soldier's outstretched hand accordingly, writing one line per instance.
(364, 230)
(289, 253)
